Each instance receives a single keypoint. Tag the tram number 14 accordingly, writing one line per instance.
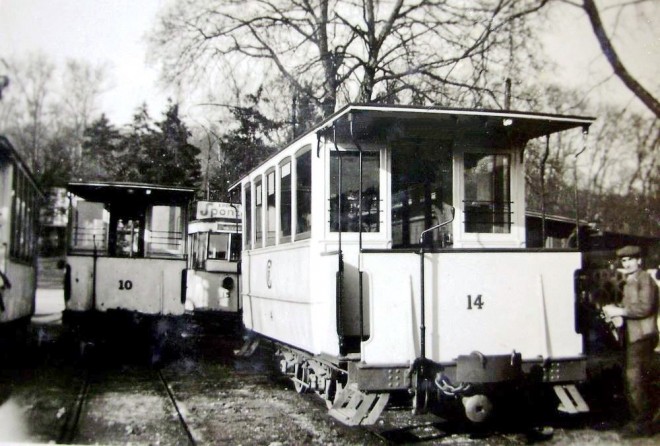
(476, 302)
(125, 285)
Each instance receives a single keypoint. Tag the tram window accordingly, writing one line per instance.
(271, 216)
(421, 192)
(258, 198)
(89, 228)
(218, 245)
(235, 247)
(248, 217)
(164, 231)
(304, 194)
(487, 193)
(23, 224)
(350, 188)
(127, 238)
(285, 201)
(199, 243)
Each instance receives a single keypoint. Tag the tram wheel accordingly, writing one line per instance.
(332, 388)
(300, 383)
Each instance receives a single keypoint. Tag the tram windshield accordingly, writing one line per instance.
(421, 192)
(89, 225)
(209, 245)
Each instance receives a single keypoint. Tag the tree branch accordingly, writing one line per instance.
(614, 60)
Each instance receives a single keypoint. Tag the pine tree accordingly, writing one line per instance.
(100, 144)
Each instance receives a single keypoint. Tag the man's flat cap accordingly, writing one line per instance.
(628, 251)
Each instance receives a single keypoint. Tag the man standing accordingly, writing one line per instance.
(639, 310)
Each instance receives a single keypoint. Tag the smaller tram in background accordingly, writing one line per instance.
(126, 253)
(20, 198)
(214, 248)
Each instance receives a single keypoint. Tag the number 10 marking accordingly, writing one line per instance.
(477, 302)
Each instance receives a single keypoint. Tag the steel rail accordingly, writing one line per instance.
(182, 420)
(70, 426)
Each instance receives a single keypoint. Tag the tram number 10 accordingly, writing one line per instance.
(476, 302)
(125, 285)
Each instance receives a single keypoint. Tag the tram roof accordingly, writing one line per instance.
(369, 120)
(110, 191)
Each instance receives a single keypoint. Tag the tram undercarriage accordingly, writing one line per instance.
(357, 394)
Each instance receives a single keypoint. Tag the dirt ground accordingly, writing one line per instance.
(224, 399)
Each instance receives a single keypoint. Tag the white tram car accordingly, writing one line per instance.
(214, 249)
(384, 251)
(20, 200)
(126, 250)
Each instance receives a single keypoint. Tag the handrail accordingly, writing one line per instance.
(422, 326)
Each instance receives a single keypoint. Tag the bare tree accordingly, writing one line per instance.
(26, 104)
(47, 108)
(333, 51)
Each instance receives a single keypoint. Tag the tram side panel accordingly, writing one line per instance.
(493, 303)
(289, 297)
(79, 278)
(205, 290)
(19, 300)
(148, 286)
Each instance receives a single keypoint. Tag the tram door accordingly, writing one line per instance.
(127, 229)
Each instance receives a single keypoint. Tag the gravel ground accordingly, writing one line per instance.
(225, 400)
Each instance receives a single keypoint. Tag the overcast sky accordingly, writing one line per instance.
(107, 32)
(112, 32)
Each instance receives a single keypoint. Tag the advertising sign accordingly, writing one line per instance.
(216, 209)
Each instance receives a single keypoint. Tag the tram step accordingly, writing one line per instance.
(353, 407)
(248, 348)
(571, 400)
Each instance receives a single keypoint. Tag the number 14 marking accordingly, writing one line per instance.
(477, 302)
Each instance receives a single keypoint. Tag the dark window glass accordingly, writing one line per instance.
(421, 193)
(258, 213)
(248, 217)
(304, 195)
(350, 187)
(271, 218)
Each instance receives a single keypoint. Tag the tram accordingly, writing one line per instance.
(126, 251)
(214, 248)
(20, 200)
(384, 253)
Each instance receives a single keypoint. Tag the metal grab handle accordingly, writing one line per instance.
(439, 225)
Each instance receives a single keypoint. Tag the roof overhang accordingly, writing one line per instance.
(378, 122)
(117, 191)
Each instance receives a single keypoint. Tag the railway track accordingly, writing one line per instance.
(93, 414)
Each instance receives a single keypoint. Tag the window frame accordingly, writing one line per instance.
(374, 154)
(270, 219)
(307, 233)
(281, 192)
(258, 212)
(516, 237)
